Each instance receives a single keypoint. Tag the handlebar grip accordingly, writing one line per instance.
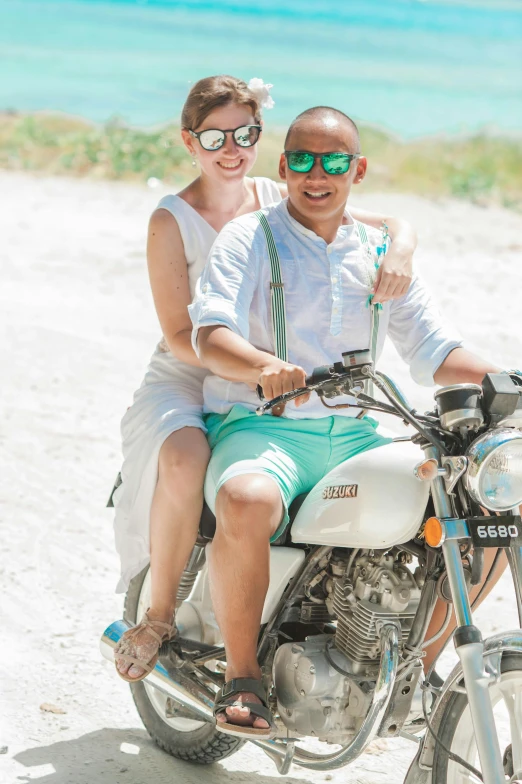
(313, 379)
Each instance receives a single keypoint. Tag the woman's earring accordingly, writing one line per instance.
(194, 162)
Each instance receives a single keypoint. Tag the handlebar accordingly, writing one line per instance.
(284, 398)
(319, 375)
(348, 377)
(327, 381)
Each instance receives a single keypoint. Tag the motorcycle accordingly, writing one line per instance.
(353, 585)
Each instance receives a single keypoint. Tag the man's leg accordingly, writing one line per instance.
(258, 466)
(248, 511)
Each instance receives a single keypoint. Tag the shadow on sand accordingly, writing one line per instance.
(119, 756)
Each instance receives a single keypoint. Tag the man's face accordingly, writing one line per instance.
(316, 196)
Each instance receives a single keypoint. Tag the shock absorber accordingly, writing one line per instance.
(194, 565)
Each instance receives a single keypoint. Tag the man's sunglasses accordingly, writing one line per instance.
(213, 139)
(332, 162)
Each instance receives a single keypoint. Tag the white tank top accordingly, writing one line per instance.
(198, 236)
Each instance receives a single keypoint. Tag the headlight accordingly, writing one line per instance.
(494, 474)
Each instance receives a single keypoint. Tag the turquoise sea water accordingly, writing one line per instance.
(413, 67)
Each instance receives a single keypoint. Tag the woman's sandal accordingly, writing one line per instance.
(148, 626)
(261, 711)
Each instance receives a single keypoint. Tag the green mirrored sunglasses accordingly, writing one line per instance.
(332, 162)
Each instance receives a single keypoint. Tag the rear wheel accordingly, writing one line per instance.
(456, 728)
(187, 739)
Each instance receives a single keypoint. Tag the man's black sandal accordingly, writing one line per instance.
(224, 699)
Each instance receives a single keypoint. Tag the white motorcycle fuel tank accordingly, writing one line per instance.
(373, 500)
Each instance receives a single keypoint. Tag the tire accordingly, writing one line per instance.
(198, 741)
(444, 770)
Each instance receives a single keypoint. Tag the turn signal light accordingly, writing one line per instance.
(427, 470)
(433, 532)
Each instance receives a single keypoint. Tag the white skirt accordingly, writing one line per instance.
(170, 398)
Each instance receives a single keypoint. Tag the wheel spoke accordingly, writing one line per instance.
(457, 728)
(467, 777)
(465, 746)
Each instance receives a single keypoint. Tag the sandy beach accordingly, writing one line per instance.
(77, 327)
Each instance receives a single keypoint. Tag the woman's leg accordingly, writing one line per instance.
(440, 609)
(174, 519)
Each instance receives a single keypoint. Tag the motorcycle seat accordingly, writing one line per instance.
(207, 523)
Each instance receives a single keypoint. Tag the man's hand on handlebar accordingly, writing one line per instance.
(278, 377)
(280, 382)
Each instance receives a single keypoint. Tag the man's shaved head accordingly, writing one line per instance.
(317, 197)
(325, 116)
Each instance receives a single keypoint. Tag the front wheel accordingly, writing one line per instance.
(187, 739)
(456, 728)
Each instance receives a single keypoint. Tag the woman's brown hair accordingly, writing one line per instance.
(211, 93)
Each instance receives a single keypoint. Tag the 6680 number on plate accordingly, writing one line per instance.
(504, 531)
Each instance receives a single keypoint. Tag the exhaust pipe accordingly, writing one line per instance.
(177, 685)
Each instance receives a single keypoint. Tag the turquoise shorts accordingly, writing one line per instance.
(296, 453)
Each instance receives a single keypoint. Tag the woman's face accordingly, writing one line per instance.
(230, 162)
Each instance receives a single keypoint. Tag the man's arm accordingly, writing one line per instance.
(432, 349)
(419, 334)
(226, 287)
(220, 317)
(463, 367)
(232, 357)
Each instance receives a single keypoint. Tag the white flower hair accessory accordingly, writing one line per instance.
(262, 92)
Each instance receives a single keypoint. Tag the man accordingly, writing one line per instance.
(260, 464)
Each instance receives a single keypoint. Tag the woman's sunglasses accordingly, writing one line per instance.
(332, 162)
(213, 139)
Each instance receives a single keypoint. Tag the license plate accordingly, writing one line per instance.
(503, 531)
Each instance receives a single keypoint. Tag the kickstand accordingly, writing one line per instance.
(282, 759)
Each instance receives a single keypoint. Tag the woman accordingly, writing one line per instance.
(158, 505)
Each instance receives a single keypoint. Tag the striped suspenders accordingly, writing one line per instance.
(369, 255)
(277, 291)
(277, 294)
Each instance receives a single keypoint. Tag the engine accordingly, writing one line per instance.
(325, 685)
(380, 589)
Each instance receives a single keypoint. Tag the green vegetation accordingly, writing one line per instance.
(57, 144)
(481, 168)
